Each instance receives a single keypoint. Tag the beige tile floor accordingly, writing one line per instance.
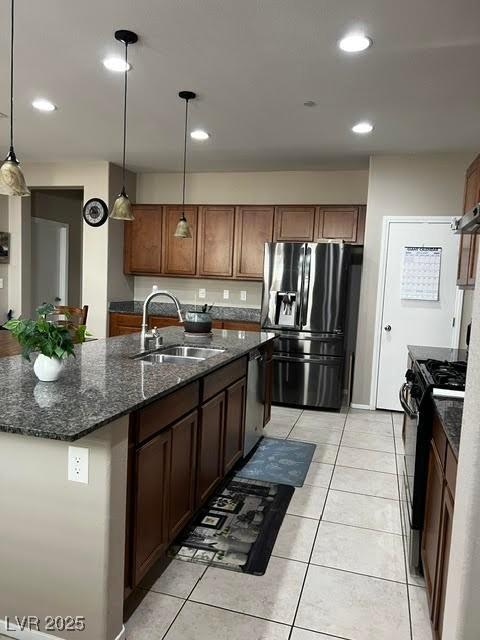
(338, 567)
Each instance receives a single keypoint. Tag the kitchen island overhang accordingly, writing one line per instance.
(62, 544)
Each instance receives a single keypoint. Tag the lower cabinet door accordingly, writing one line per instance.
(432, 522)
(151, 482)
(210, 447)
(443, 557)
(182, 473)
(234, 423)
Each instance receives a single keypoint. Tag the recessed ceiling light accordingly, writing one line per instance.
(43, 105)
(362, 127)
(116, 64)
(199, 134)
(355, 42)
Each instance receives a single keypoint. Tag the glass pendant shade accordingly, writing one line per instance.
(12, 180)
(122, 208)
(183, 229)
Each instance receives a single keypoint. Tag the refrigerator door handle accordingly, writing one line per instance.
(306, 285)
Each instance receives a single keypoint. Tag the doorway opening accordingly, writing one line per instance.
(56, 250)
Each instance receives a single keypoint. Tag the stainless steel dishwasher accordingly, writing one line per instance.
(255, 400)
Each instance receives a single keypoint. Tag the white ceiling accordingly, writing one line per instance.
(253, 64)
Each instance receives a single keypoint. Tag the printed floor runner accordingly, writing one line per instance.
(279, 461)
(238, 527)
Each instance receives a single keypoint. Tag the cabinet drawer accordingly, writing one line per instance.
(440, 439)
(451, 470)
(218, 380)
(237, 325)
(162, 413)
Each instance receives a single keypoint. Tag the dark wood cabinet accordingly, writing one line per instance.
(228, 240)
(124, 323)
(234, 423)
(340, 223)
(163, 321)
(433, 512)
(210, 447)
(239, 325)
(443, 558)
(294, 223)
(468, 254)
(183, 465)
(216, 225)
(151, 479)
(437, 527)
(143, 240)
(179, 254)
(253, 227)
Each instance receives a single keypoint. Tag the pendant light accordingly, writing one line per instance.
(122, 207)
(183, 228)
(12, 180)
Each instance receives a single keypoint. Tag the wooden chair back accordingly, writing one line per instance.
(70, 315)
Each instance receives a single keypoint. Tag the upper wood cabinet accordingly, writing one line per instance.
(143, 240)
(216, 225)
(468, 254)
(253, 227)
(294, 224)
(179, 254)
(228, 240)
(340, 223)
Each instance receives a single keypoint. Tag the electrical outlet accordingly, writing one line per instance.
(1, 283)
(226, 294)
(243, 295)
(202, 293)
(78, 464)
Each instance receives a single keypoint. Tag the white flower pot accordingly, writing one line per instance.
(48, 369)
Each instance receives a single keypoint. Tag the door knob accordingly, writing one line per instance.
(387, 327)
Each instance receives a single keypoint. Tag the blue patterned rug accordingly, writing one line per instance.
(279, 461)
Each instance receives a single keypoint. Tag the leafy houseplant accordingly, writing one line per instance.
(54, 342)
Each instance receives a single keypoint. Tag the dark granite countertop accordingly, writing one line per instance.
(245, 314)
(436, 353)
(449, 410)
(103, 383)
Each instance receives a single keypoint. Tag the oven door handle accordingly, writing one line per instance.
(403, 401)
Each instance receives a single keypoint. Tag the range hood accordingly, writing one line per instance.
(469, 222)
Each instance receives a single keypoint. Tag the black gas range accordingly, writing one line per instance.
(426, 380)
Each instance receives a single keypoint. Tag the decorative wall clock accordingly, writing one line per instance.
(95, 212)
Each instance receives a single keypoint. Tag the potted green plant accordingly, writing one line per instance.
(53, 342)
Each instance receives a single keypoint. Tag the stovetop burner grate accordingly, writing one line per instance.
(448, 375)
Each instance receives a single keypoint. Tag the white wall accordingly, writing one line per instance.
(101, 246)
(272, 187)
(417, 185)
(266, 187)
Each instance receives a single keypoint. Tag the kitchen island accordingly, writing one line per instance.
(160, 438)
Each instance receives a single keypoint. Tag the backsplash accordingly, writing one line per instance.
(187, 290)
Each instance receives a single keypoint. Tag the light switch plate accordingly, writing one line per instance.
(1, 283)
(243, 295)
(226, 294)
(78, 464)
(202, 293)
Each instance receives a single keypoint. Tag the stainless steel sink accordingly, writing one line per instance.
(192, 352)
(178, 354)
(163, 358)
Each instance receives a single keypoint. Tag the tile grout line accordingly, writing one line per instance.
(316, 533)
(184, 603)
(403, 537)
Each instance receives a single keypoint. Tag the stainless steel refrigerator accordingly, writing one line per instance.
(304, 302)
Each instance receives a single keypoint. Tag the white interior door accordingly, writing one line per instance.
(49, 262)
(413, 321)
